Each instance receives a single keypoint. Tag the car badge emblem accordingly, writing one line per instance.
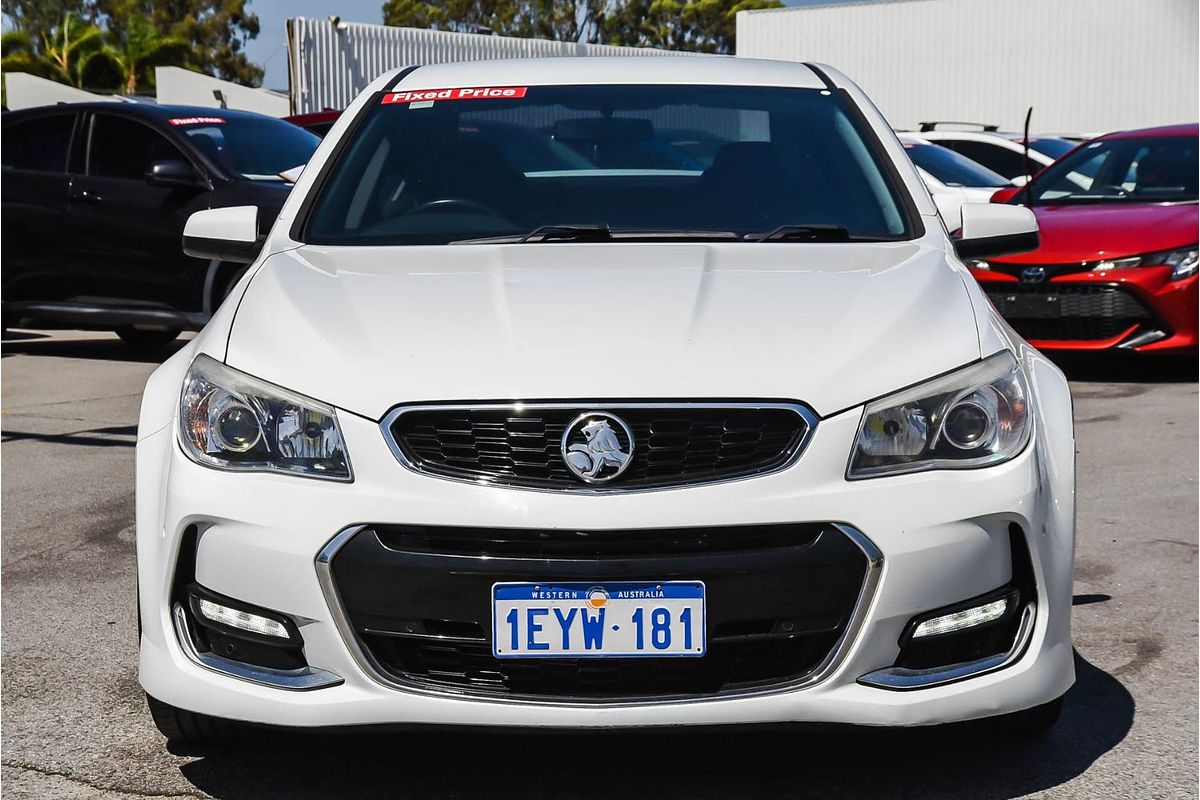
(1033, 275)
(597, 447)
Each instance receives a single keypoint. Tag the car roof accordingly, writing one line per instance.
(1192, 129)
(328, 115)
(675, 69)
(144, 110)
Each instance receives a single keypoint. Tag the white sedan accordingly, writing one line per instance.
(1003, 153)
(952, 179)
(525, 415)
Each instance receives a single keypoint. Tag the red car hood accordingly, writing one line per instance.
(1093, 232)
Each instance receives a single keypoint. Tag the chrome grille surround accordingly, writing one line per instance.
(806, 424)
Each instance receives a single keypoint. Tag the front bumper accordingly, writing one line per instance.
(942, 536)
(1137, 310)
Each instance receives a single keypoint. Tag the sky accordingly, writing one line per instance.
(270, 48)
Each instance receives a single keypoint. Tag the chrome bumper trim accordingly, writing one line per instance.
(899, 679)
(296, 680)
(837, 655)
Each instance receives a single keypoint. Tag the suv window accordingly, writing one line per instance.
(124, 148)
(1008, 163)
(38, 145)
(662, 160)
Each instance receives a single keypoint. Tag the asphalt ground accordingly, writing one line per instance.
(75, 723)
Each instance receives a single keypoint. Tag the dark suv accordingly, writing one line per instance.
(95, 197)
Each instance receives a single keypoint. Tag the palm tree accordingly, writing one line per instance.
(141, 48)
(63, 55)
(68, 50)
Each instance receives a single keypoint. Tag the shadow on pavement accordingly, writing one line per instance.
(961, 761)
(63, 345)
(1116, 367)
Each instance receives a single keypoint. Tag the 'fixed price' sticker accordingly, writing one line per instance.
(473, 93)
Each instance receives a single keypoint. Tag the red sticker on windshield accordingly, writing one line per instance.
(475, 93)
(196, 121)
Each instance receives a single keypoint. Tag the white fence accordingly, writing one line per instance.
(26, 91)
(329, 63)
(184, 87)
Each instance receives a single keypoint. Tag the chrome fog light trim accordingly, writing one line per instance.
(296, 680)
(900, 679)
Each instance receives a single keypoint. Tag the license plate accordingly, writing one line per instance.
(598, 620)
(1025, 306)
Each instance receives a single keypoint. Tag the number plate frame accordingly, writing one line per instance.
(677, 592)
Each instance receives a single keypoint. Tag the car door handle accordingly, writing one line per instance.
(84, 196)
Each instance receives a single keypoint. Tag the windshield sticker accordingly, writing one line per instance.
(196, 121)
(475, 93)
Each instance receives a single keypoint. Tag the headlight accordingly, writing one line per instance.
(970, 418)
(1182, 262)
(230, 420)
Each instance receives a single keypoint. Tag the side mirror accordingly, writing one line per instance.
(226, 234)
(171, 173)
(996, 230)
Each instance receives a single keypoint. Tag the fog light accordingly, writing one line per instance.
(960, 620)
(242, 620)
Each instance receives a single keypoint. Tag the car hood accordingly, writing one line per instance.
(830, 325)
(1092, 232)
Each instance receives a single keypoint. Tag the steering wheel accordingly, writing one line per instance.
(453, 204)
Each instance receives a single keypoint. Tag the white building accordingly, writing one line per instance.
(1084, 65)
(329, 61)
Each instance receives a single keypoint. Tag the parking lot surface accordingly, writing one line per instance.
(76, 726)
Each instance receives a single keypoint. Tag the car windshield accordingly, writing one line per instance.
(643, 161)
(256, 148)
(1055, 148)
(953, 169)
(1145, 169)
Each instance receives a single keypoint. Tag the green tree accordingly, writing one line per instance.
(64, 52)
(216, 31)
(138, 50)
(38, 19)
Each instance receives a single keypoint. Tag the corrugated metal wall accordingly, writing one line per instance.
(328, 65)
(1084, 65)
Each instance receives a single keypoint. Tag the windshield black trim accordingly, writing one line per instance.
(914, 225)
(299, 230)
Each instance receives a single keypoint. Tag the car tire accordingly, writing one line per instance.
(1032, 722)
(147, 337)
(181, 726)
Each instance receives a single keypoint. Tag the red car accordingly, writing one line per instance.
(318, 122)
(1116, 267)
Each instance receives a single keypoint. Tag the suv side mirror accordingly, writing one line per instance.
(226, 234)
(171, 173)
(996, 230)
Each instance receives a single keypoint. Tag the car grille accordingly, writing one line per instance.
(675, 445)
(779, 599)
(1051, 312)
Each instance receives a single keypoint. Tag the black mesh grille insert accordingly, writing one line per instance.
(778, 598)
(673, 445)
(1061, 312)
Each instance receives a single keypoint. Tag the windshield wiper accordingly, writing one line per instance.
(596, 233)
(807, 233)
